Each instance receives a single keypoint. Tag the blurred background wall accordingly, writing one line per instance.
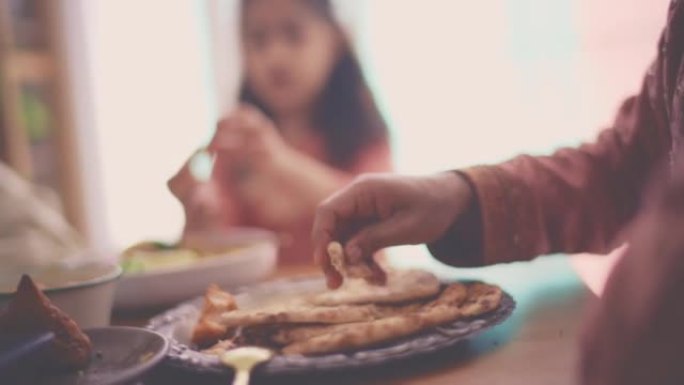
(459, 82)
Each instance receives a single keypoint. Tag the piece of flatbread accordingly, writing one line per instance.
(442, 310)
(287, 334)
(360, 271)
(481, 299)
(374, 332)
(30, 311)
(300, 315)
(220, 314)
(307, 315)
(209, 328)
(301, 327)
(452, 295)
(401, 286)
(290, 334)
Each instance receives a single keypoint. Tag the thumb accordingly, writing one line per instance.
(392, 231)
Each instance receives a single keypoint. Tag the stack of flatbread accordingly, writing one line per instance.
(355, 316)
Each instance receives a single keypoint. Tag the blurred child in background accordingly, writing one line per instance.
(307, 124)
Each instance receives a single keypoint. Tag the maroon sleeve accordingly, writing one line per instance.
(575, 200)
(636, 334)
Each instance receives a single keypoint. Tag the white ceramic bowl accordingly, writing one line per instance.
(83, 290)
(167, 286)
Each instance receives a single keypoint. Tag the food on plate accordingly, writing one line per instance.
(481, 299)
(401, 286)
(30, 311)
(454, 295)
(300, 314)
(437, 312)
(221, 347)
(359, 271)
(151, 256)
(209, 328)
(309, 326)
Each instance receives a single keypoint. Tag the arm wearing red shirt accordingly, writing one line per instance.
(575, 200)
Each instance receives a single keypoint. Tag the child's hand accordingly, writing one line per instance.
(381, 211)
(248, 139)
(254, 157)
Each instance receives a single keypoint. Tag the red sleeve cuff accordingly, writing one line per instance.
(500, 226)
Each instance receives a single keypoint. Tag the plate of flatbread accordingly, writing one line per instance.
(313, 329)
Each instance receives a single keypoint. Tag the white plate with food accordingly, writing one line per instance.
(310, 328)
(158, 274)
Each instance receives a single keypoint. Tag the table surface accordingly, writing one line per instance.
(537, 345)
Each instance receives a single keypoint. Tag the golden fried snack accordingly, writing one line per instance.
(30, 311)
(209, 328)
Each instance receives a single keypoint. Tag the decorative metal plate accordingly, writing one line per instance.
(176, 324)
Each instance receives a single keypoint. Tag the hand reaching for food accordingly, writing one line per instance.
(392, 210)
(248, 139)
(368, 271)
(254, 159)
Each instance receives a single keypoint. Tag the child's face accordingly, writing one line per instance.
(289, 53)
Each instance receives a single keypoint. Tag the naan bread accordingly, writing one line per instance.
(347, 337)
(290, 334)
(307, 315)
(220, 347)
(360, 271)
(300, 315)
(310, 328)
(453, 295)
(482, 299)
(287, 334)
(402, 286)
(373, 332)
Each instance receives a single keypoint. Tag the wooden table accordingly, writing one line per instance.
(537, 345)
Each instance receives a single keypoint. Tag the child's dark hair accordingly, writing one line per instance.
(345, 112)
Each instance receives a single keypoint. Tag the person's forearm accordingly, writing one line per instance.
(576, 200)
